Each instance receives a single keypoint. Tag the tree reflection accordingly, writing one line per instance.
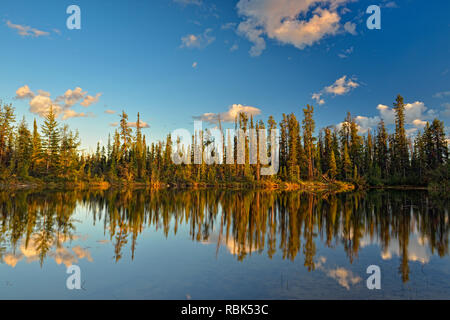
(243, 222)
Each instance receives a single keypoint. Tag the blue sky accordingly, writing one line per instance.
(172, 60)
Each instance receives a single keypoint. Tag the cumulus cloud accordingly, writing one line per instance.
(41, 102)
(286, 21)
(318, 98)
(198, 41)
(230, 115)
(340, 87)
(72, 97)
(89, 100)
(26, 31)
(142, 124)
(69, 113)
(416, 117)
(413, 111)
(419, 123)
(24, 93)
(110, 111)
(366, 123)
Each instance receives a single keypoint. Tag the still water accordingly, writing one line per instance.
(212, 244)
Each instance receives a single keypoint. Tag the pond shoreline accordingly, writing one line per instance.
(314, 186)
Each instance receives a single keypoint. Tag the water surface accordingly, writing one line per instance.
(212, 244)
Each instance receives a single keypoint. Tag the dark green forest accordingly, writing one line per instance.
(51, 153)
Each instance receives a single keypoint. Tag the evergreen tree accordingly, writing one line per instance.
(308, 130)
(401, 157)
(51, 141)
(37, 153)
(23, 149)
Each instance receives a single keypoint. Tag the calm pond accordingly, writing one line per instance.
(212, 244)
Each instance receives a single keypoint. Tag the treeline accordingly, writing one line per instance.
(51, 153)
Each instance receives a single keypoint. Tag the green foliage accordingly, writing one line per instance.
(376, 159)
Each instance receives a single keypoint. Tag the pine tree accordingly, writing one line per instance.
(293, 137)
(332, 166)
(401, 158)
(347, 164)
(37, 153)
(51, 141)
(23, 149)
(308, 130)
(7, 119)
(382, 149)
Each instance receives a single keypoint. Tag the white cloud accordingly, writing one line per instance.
(416, 116)
(344, 277)
(366, 123)
(30, 251)
(285, 21)
(41, 102)
(419, 123)
(72, 97)
(386, 113)
(230, 115)
(318, 98)
(70, 113)
(24, 93)
(197, 40)
(26, 31)
(89, 100)
(413, 111)
(142, 124)
(340, 87)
